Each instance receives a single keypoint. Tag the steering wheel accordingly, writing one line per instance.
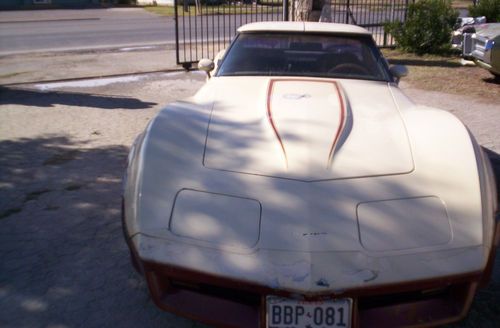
(349, 68)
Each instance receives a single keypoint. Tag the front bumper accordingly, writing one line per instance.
(486, 66)
(483, 64)
(228, 303)
(225, 302)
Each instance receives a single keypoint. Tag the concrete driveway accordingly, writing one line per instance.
(63, 149)
(63, 259)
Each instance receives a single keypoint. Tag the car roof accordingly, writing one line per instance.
(302, 27)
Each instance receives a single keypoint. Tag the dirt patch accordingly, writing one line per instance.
(446, 74)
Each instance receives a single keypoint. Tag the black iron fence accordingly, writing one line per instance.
(204, 27)
(370, 14)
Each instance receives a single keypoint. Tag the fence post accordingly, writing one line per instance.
(406, 9)
(347, 9)
(176, 33)
(285, 10)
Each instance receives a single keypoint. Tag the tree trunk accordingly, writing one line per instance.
(301, 10)
(326, 12)
(309, 10)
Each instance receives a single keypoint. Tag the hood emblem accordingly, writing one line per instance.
(296, 96)
(322, 283)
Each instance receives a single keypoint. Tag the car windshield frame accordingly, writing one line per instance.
(304, 53)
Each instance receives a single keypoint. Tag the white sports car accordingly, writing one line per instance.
(301, 188)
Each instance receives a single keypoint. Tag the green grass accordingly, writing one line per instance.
(215, 10)
(266, 7)
(162, 10)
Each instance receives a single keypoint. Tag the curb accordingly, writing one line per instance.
(167, 46)
(48, 20)
(95, 77)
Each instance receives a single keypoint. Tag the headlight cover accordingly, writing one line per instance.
(407, 223)
(218, 219)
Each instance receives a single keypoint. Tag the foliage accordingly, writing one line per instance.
(202, 2)
(488, 8)
(266, 2)
(427, 28)
(225, 9)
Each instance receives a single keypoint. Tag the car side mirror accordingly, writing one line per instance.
(398, 71)
(206, 65)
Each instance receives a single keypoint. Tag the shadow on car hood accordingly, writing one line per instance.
(306, 129)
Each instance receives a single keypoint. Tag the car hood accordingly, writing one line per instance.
(489, 31)
(210, 189)
(305, 129)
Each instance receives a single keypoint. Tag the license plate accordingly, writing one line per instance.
(289, 313)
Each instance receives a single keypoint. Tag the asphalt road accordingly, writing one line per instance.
(44, 30)
(58, 30)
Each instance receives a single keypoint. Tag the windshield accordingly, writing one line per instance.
(294, 54)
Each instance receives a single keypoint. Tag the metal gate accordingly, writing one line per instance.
(204, 27)
(370, 14)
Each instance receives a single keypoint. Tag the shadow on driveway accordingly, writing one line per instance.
(15, 96)
(64, 262)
